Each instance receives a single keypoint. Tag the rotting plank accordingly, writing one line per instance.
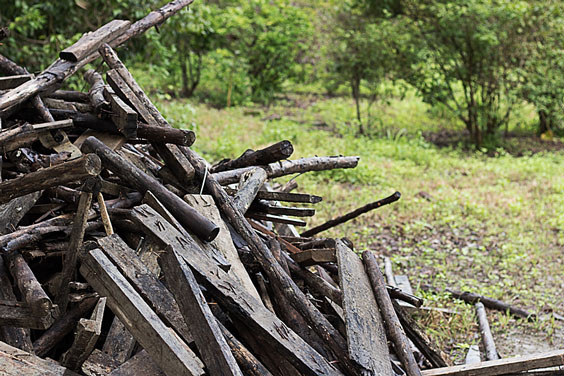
(15, 362)
(172, 355)
(366, 337)
(239, 302)
(502, 366)
(203, 325)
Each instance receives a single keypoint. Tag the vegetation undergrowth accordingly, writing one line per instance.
(465, 221)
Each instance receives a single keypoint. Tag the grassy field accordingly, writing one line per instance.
(494, 226)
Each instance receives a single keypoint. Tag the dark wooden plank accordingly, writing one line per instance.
(119, 343)
(172, 355)
(15, 362)
(314, 256)
(146, 283)
(85, 337)
(123, 116)
(366, 338)
(502, 366)
(225, 288)
(207, 335)
(140, 365)
(89, 42)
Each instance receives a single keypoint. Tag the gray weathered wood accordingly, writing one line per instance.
(68, 273)
(207, 335)
(239, 302)
(85, 337)
(78, 169)
(122, 115)
(11, 82)
(502, 366)
(473, 355)
(89, 42)
(249, 186)
(487, 337)
(172, 355)
(140, 365)
(146, 283)
(15, 362)
(366, 337)
(314, 256)
(119, 343)
(96, 92)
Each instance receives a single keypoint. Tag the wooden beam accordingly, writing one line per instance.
(202, 323)
(314, 256)
(123, 116)
(502, 366)
(172, 355)
(366, 338)
(237, 301)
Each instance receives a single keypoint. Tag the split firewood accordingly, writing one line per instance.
(273, 153)
(355, 213)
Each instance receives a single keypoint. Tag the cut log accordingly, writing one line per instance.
(273, 153)
(502, 366)
(355, 213)
(171, 354)
(487, 337)
(201, 226)
(391, 322)
(86, 166)
(202, 323)
(90, 41)
(278, 169)
(366, 338)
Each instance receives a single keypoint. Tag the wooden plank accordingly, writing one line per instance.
(314, 256)
(210, 342)
(502, 366)
(15, 362)
(366, 337)
(85, 337)
(224, 288)
(123, 116)
(172, 355)
(223, 244)
(119, 343)
(146, 283)
(121, 88)
(113, 141)
(140, 365)
(99, 364)
(89, 42)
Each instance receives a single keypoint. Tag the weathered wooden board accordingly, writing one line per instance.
(146, 283)
(119, 343)
(172, 355)
(219, 283)
(205, 205)
(140, 365)
(11, 82)
(366, 337)
(314, 256)
(15, 362)
(502, 366)
(207, 335)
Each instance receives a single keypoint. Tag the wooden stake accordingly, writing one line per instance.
(487, 337)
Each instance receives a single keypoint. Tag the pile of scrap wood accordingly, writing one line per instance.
(125, 253)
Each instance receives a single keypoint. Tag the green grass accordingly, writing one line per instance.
(494, 226)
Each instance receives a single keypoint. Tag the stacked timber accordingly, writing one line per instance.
(124, 252)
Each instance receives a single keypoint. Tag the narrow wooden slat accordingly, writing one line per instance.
(366, 337)
(171, 354)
